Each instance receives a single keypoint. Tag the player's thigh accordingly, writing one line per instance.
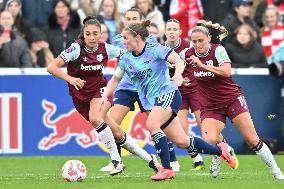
(183, 118)
(211, 129)
(118, 112)
(176, 134)
(245, 124)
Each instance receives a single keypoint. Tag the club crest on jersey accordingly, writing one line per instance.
(209, 62)
(100, 57)
(70, 49)
(85, 59)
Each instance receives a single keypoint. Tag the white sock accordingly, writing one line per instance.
(107, 138)
(131, 145)
(265, 155)
(197, 158)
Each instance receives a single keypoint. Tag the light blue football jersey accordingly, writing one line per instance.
(148, 72)
(126, 83)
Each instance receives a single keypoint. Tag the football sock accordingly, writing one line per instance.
(106, 137)
(162, 148)
(131, 145)
(200, 146)
(172, 151)
(262, 150)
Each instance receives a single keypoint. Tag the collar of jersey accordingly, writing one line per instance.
(175, 47)
(141, 51)
(91, 50)
(203, 55)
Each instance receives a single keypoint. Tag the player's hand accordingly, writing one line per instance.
(178, 79)
(171, 66)
(77, 83)
(195, 61)
(186, 82)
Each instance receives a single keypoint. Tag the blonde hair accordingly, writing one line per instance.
(203, 27)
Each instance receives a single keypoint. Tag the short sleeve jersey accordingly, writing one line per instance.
(126, 83)
(88, 65)
(149, 72)
(215, 90)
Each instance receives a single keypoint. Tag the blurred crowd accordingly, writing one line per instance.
(33, 32)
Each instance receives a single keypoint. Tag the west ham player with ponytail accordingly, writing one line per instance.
(146, 66)
(220, 96)
(85, 59)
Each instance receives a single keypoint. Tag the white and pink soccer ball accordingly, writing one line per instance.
(74, 170)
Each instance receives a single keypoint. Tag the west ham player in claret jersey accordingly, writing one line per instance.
(221, 97)
(146, 66)
(85, 59)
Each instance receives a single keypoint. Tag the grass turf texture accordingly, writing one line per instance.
(44, 173)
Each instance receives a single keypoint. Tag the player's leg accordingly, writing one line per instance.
(198, 163)
(96, 117)
(244, 122)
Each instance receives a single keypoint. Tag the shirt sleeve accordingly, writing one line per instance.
(183, 53)
(71, 53)
(221, 55)
(162, 52)
(113, 51)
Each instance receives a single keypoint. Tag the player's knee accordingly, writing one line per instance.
(210, 139)
(152, 126)
(95, 120)
(180, 142)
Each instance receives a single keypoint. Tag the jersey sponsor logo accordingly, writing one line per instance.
(143, 74)
(91, 67)
(209, 62)
(100, 57)
(203, 74)
(70, 49)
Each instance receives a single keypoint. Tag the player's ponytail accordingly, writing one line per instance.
(208, 24)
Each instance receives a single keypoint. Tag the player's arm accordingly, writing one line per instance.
(113, 82)
(54, 67)
(174, 58)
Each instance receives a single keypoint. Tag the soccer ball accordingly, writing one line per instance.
(74, 170)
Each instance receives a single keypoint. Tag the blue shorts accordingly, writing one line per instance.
(127, 98)
(172, 99)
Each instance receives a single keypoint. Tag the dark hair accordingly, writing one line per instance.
(133, 9)
(139, 29)
(89, 20)
(64, 2)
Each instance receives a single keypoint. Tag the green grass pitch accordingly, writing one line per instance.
(44, 173)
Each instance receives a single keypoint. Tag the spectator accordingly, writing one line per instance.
(187, 12)
(263, 5)
(164, 7)
(240, 15)
(108, 9)
(151, 12)
(37, 11)
(124, 5)
(22, 25)
(273, 32)
(63, 27)
(245, 51)
(39, 48)
(86, 8)
(2, 4)
(105, 33)
(14, 50)
(210, 7)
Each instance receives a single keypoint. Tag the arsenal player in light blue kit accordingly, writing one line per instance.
(85, 59)
(221, 97)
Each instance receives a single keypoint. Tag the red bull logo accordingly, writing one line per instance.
(65, 127)
(73, 125)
